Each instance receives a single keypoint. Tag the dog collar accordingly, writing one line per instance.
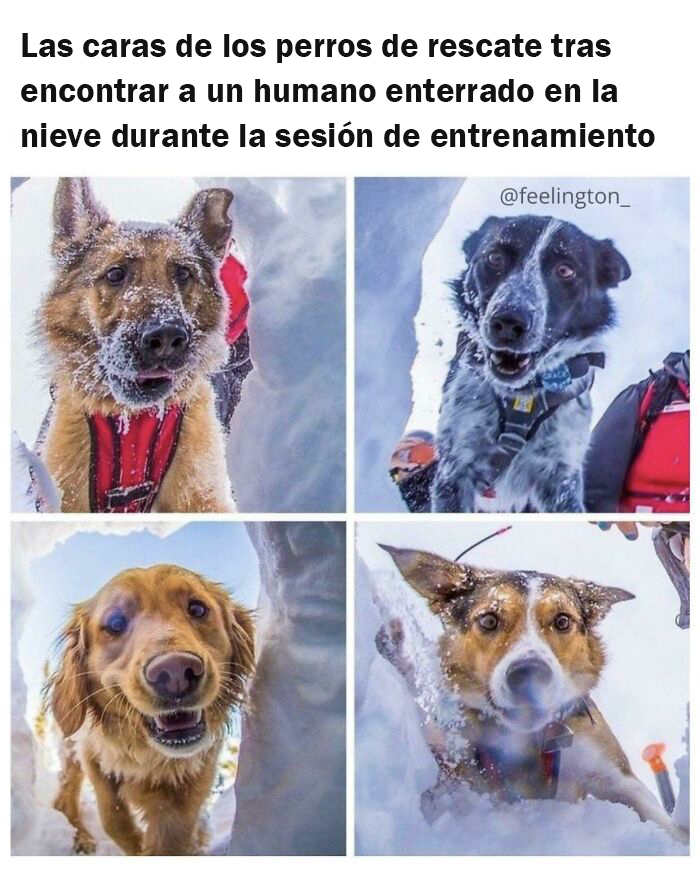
(129, 458)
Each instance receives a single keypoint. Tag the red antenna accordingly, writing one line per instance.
(483, 540)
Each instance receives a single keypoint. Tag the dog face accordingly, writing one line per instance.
(136, 311)
(159, 655)
(517, 646)
(534, 291)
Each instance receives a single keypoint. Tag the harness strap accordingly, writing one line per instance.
(129, 458)
(521, 415)
(554, 738)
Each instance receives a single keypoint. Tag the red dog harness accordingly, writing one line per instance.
(130, 455)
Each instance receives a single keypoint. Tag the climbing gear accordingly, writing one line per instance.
(665, 539)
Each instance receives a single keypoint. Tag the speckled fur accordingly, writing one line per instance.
(545, 476)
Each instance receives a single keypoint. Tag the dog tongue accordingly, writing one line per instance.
(154, 374)
(178, 720)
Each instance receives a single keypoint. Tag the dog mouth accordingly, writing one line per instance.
(146, 388)
(155, 379)
(181, 729)
(507, 365)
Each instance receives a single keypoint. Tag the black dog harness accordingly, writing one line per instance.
(497, 768)
(521, 415)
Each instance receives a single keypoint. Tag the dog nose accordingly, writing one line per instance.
(509, 326)
(164, 342)
(174, 675)
(527, 677)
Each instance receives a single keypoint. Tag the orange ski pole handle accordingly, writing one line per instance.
(653, 755)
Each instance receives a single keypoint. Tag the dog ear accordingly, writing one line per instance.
(433, 577)
(471, 242)
(241, 633)
(207, 216)
(76, 213)
(68, 687)
(611, 266)
(597, 600)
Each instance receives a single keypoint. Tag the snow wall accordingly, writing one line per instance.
(395, 221)
(290, 788)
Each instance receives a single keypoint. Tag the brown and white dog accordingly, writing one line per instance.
(520, 653)
(152, 666)
(132, 328)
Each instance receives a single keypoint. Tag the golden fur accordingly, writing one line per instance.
(89, 331)
(103, 705)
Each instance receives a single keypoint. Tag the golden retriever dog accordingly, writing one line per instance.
(152, 666)
(132, 329)
(520, 652)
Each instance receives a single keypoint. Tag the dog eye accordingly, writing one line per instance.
(182, 274)
(565, 272)
(197, 609)
(116, 623)
(488, 622)
(115, 275)
(562, 622)
(496, 258)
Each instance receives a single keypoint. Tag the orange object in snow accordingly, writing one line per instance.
(653, 755)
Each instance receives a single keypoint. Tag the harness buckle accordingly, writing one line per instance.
(556, 736)
(511, 441)
(125, 496)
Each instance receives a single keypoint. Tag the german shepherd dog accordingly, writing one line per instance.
(135, 324)
(520, 653)
(515, 416)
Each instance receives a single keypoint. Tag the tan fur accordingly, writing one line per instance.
(84, 324)
(99, 691)
(461, 596)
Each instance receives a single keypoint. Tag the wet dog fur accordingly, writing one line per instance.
(518, 649)
(113, 283)
(534, 294)
(150, 784)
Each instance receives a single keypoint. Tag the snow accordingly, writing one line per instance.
(409, 236)
(290, 788)
(389, 783)
(286, 452)
(287, 445)
(395, 221)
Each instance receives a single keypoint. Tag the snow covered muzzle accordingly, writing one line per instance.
(159, 655)
(137, 311)
(533, 294)
(518, 646)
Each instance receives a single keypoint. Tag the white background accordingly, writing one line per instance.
(653, 62)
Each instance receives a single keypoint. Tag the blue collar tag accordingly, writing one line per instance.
(557, 379)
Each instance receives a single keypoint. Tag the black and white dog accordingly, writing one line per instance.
(515, 416)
